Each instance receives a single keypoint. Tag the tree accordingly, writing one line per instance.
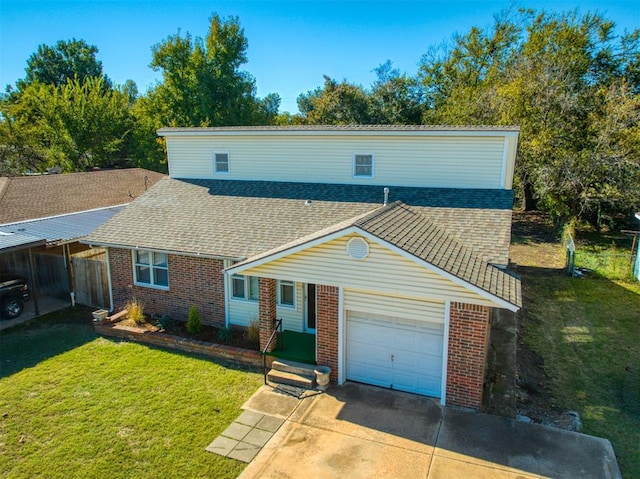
(395, 98)
(67, 60)
(76, 125)
(202, 84)
(335, 104)
(559, 77)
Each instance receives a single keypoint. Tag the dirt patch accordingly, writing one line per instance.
(536, 252)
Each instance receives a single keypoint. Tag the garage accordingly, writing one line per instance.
(393, 352)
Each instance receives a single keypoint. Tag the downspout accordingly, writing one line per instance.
(227, 263)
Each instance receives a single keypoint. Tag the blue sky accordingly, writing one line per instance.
(291, 44)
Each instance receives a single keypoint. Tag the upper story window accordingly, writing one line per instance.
(151, 269)
(244, 287)
(287, 293)
(362, 165)
(221, 162)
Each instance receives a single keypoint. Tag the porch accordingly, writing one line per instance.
(294, 346)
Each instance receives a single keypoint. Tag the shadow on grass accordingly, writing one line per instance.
(27, 344)
(585, 332)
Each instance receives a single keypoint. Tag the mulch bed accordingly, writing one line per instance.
(209, 334)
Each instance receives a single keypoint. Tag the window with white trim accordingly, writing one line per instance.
(244, 287)
(221, 162)
(287, 294)
(362, 165)
(151, 269)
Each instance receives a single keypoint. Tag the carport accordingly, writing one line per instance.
(10, 242)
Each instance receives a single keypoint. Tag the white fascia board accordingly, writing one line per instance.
(157, 250)
(389, 133)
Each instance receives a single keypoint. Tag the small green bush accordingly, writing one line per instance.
(253, 331)
(225, 334)
(135, 310)
(193, 321)
(165, 322)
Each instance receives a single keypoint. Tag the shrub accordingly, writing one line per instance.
(225, 334)
(165, 322)
(253, 331)
(193, 321)
(135, 309)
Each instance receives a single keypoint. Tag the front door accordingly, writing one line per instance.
(310, 320)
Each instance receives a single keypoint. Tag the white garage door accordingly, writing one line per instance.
(395, 353)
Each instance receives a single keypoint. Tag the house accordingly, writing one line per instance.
(42, 218)
(389, 244)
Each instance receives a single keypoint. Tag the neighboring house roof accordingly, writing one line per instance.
(30, 197)
(63, 228)
(406, 228)
(239, 219)
(15, 241)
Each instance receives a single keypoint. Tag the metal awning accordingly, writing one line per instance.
(56, 230)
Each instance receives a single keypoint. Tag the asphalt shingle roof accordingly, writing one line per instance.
(409, 230)
(29, 197)
(240, 219)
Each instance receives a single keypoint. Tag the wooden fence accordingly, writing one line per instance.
(90, 280)
(50, 273)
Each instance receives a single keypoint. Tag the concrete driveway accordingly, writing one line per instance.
(359, 431)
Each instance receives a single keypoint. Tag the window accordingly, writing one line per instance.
(221, 162)
(362, 166)
(244, 287)
(151, 269)
(286, 293)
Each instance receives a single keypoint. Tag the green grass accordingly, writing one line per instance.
(606, 262)
(76, 405)
(588, 333)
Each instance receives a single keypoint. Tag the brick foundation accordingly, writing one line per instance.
(198, 281)
(267, 311)
(327, 328)
(468, 342)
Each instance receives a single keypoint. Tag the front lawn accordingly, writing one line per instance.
(73, 404)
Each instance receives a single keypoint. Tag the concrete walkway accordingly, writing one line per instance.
(360, 431)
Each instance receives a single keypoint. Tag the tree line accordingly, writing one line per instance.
(566, 79)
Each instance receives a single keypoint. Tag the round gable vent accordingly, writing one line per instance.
(357, 248)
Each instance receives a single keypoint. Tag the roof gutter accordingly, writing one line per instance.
(165, 251)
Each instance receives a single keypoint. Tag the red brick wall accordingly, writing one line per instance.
(468, 342)
(198, 281)
(267, 311)
(327, 328)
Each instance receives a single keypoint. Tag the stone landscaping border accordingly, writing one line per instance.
(109, 327)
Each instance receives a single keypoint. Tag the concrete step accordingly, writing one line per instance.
(292, 379)
(293, 367)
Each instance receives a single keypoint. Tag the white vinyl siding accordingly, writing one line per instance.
(463, 161)
(414, 309)
(383, 271)
(242, 312)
